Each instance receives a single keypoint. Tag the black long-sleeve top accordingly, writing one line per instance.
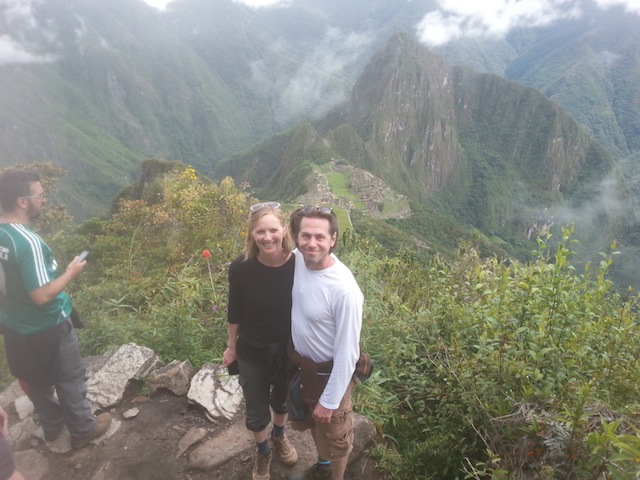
(260, 302)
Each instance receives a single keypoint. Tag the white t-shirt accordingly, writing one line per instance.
(326, 319)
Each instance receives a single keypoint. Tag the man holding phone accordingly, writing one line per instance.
(40, 342)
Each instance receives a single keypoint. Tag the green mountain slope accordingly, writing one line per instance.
(476, 149)
(122, 88)
(592, 70)
(109, 84)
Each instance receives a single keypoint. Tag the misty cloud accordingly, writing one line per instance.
(631, 6)
(320, 82)
(264, 3)
(608, 202)
(19, 48)
(158, 4)
(455, 19)
(609, 58)
(18, 12)
(12, 52)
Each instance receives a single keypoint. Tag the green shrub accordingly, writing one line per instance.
(473, 352)
(484, 368)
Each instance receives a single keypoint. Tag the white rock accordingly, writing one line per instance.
(218, 392)
(106, 387)
(24, 407)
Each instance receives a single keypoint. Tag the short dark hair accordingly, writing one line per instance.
(313, 211)
(14, 184)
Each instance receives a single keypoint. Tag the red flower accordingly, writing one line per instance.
(206, 254)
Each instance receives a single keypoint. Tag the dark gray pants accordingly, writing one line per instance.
(66, 374)
(260, 394)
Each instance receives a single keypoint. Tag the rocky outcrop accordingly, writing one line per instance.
(192, 426)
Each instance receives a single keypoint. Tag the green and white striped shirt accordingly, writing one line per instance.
(27, 263)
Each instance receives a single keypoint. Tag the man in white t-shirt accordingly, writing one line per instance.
(326, 318)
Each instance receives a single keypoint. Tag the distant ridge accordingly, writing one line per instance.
(102, 86)
(499, 152)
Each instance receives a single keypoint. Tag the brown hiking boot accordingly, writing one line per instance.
(286, 451)
(103, 422)
(261, 467)
(318, 471)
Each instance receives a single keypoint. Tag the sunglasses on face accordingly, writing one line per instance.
(42, 196)
(258, 206)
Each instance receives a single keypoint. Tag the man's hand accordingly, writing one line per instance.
(322, 414)
(75, 267)
(44, 294)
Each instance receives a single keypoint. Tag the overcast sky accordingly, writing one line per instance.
(452, 19)
(455, 19)
(161, 4)
(496, 18)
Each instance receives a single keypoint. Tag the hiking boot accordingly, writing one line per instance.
(261, 467)
(318, 471)
(52, 437)
(286, 451)
(103, 422)
(53, 433)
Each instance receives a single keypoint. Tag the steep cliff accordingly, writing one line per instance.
(484, 150)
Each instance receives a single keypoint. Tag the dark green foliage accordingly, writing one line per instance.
(257, 165)
(390, 237)
(148, 187)
(484, 367)
(290, 185)
(348, 145)
(486, 348)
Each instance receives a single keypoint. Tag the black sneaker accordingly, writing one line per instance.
(318, 471)
(53, 435)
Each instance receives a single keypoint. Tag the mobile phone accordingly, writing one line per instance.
(83, 255)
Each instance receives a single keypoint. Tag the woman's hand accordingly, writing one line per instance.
(229, 356)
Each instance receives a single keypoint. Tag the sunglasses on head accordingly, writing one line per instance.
(316, 208)
(258, 206)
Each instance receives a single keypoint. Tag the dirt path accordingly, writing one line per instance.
(145, 448)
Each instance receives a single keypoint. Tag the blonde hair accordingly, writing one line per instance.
(251, 249)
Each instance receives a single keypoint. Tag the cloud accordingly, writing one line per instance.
(607, 202)
(609, 58)
(12, 52)
(162, 4)
(455, 19)
(320, 82)
(18, 13)
(264, 3)
(159, 4)
(632, 6)
(16, 48)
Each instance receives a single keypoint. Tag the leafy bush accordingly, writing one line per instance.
(149, 280)
(485, 368)
(479, 356)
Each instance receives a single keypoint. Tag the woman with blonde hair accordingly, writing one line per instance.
(259, 327)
